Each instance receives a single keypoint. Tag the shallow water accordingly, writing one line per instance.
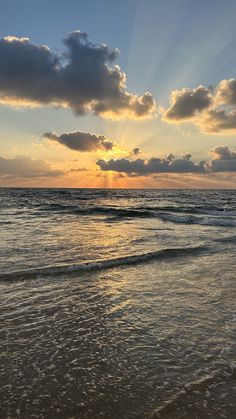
(91, 326)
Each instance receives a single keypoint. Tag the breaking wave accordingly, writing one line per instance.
(102, 264)
(180, 215)
(119, 212)
(207, 221)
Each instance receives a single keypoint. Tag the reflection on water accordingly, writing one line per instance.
(53, 227)
(119, 344)
(152, 336)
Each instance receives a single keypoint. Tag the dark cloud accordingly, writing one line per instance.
(187, 103)
(220, 165)
(136, 151)
(27, 72)
(187, 156)
(223, 152)
(212, 110)
(81, 141)
(153, 165)
(216, 121)
(224, 160)
(170, 157)
(25, 167)
(186, 166)
(83, 79)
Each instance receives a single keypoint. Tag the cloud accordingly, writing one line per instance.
(224, 161)
(217, 121)
(27, 72)
(187, 156)
(170, 157)
(226, 92)
(212, 110)
(187, 103)
(79, 169)
(81, 141)
(143, 167)
(136, 151)
(26, 167)
(82, 79)
(223, 152)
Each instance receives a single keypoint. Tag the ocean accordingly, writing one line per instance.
(117, 304)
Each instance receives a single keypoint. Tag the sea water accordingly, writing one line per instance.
(117, 303)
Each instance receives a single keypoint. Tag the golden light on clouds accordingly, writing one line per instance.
(116, 151)
(18, 103)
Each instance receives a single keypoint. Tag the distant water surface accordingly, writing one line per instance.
(117, 303)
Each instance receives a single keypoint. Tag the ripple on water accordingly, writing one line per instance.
(121, 343)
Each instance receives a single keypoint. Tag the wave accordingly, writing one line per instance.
(190, 219)
(119, 212)
(196, 209)
(102, 264)
(198, 215)
(229, 239)
(140, 211)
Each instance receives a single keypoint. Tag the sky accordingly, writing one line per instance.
(128, 94)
